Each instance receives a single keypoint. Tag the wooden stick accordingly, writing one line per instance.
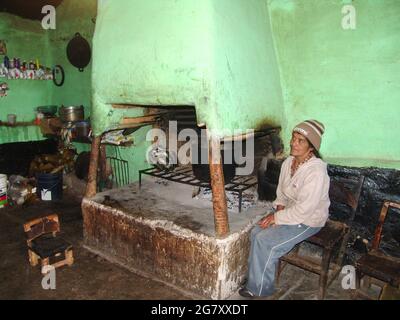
(138, 120)
(218, 188)
(91, 187)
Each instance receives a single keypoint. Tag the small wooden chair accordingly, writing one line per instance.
(44, 244)
(333, 237)
(377, 265)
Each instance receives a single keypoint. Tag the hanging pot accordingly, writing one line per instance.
(70, 114)
(78, 52)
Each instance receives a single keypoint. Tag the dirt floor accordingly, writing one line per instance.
(91, 277)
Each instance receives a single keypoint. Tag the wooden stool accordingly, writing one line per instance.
(44, 244)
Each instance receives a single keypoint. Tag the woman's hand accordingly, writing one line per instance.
(267, 221)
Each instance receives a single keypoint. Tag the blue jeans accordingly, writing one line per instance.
(267, 246)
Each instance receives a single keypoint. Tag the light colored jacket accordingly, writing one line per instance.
(305, 195)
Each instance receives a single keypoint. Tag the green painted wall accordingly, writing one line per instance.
(348, 79)
(247, 63)
(27, 40)
(215, 54)
(246, 87)
(242, 63)
(150, 52)
(135, 155)
(72, 16)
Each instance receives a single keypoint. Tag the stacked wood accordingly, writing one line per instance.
(53, 163)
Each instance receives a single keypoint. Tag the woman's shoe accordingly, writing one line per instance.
(246, 293)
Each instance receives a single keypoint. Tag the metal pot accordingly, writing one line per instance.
(71, 113)
(202, 170)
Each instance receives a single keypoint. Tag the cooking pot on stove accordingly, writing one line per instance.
(202, 170)
(71, 113)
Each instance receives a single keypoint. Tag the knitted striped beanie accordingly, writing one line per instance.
(312, 130)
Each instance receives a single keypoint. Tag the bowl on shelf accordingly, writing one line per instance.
(47, 110)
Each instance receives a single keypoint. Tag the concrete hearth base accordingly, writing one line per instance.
(162, 232)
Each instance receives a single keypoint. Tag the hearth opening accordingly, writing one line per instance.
(180, 153)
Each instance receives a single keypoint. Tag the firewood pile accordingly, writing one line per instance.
(53, 163)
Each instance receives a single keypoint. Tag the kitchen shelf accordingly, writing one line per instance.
(18, 124)
(87, 140)
(6, 79)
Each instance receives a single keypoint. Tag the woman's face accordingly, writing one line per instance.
(299, 146)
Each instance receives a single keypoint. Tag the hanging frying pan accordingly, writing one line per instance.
(78, 52)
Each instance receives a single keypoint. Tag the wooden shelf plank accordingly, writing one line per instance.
(18, 124)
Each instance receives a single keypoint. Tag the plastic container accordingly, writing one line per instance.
(3, 191)
(11, 118)
(49, 186)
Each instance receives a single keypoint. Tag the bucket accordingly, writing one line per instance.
(3, 191)
(49, 186)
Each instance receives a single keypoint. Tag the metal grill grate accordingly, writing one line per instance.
(185, 175)
(120, 169)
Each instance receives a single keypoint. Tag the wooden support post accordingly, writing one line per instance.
(102, 172)
(218, 188)
(91, 186)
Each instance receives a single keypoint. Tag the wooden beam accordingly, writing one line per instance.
(18, 124)
(129, 126)
(125, 106)
(218, 188)
(139, 120)
(91, 187)
(102, 176)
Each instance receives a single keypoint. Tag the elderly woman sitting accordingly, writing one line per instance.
(302, 208)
